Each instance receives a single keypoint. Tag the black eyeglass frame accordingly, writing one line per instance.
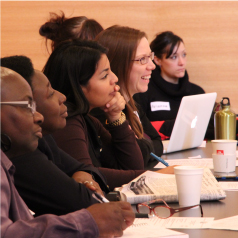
(172, 210)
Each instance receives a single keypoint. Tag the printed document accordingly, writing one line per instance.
(151, 185)
(178, 222)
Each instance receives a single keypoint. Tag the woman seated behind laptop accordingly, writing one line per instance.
(20, 125)
(169, 83)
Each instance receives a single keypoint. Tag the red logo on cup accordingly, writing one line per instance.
(220, 152)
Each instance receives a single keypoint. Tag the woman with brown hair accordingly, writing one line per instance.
(131, 58)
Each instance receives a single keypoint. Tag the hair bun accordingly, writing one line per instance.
(50, 29)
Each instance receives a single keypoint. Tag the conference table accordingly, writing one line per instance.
(218, 209)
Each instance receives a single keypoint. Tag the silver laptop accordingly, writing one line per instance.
(191, 122)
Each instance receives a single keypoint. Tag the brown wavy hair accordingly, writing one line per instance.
(122, 43)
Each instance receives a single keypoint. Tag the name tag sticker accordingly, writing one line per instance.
(160, 106)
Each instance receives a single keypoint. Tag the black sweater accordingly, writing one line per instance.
(43, 179)
(167, 94)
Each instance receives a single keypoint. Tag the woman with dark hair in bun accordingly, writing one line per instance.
(60, 28)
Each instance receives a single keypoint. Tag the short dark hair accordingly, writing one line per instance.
(20, 64)
(70, 66)
(164, 43)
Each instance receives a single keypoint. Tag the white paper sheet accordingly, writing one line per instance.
(229, 223)
(180, 222)
(195, 157)
(229, 185)
(205, 163)
(145, 230)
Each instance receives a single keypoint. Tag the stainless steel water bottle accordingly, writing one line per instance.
(225, 121)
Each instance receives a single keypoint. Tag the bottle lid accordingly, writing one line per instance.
(225, 104)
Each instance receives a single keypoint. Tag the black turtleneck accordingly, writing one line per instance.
(167, 93)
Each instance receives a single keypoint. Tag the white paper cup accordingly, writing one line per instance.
(222, 147)
(189, 181)
(224, 163)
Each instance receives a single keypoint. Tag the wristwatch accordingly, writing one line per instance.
(119, 121)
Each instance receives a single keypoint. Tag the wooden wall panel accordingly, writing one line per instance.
(209, 30)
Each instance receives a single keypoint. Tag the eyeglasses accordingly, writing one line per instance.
(164, 210)
(145, 59)
(31, 105)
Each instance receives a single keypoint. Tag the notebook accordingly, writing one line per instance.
(191, 122)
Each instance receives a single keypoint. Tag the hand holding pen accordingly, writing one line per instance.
(112, 218)
(102, 199)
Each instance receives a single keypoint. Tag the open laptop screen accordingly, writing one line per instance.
(191, 122)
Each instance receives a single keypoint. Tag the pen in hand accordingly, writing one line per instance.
(99, 198)
(102, 199)
(159, 159)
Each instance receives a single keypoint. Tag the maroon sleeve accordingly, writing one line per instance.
(121, 155)
(120, 148)
(73, 139)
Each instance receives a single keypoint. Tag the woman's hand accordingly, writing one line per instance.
(87, 179)
(114, 107)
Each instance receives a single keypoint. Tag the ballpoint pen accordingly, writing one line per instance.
(159, 159)
(102, 199)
